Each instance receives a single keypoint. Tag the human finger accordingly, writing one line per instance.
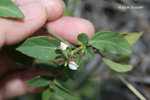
(69, 27)
(15, 30)
(54, 8)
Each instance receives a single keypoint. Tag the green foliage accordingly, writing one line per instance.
(70, 7)
(60, 90)
(44, 50)
(46, 65)
(75, 2)
(40, 81)
(117, 67)
(79, 62)
(132, 38)
(28, 96)
(83, 38)
(47, 94)
(50, 49)
(68, 12)
(18, 57)
(111, 42)
(9, 9)
(89, 54)
(57, 92)
(63, 73)
(40, 47)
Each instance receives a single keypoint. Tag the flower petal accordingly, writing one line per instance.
(63, 46)
(72, 65)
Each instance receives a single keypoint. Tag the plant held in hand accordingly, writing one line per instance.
(45, 50)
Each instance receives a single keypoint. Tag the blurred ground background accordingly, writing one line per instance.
(98, 82)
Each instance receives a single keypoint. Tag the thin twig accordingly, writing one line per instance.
(58, 37)
(132, 88)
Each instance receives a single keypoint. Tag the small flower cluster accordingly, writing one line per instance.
(72, 65)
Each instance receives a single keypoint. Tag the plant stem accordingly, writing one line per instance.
(77, 49)
(58, 37)
(132, 88)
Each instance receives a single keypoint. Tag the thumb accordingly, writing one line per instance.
(15, 30)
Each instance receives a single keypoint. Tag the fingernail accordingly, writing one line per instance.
(33, 10)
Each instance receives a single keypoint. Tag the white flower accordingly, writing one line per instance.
(63, 46)
(72, 65)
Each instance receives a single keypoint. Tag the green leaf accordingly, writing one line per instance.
(132, 38)
(10, 9)
(79, 62)
(40, 81)
(18, 57)
(46, 95)
(47, 65)
(117, 67)
(89, 54)
(47, 62)
(83, 38)
(111, 42)
(49, 94)
(60, 90)
(65, 54)
(40, 47)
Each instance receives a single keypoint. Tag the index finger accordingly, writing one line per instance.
(69, 28)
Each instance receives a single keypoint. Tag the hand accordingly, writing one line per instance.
(37, 13)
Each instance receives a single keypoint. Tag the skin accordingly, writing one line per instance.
(37, 13)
